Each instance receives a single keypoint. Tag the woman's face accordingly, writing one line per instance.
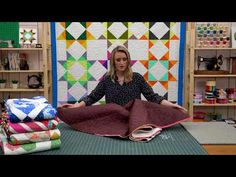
(121, 61)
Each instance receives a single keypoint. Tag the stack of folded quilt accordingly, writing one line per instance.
(29, 125)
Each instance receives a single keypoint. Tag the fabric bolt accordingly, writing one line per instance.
(123, 121)
(26, 110)
(9, 149)
(24, 138)
(24, 127)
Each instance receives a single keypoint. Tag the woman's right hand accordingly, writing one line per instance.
(66, 105)
(76, 105)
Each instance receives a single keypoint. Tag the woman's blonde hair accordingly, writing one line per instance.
(128, 73)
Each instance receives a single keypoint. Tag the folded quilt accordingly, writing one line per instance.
(26, 110)
(138, 120)
(9, 149)
(144, 133)
(24, 138)
(25, 127)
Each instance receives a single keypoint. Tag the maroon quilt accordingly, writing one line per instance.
(138, 120)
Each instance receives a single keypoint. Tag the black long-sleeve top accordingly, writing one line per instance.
(122, 94)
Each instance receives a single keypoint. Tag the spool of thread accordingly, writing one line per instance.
(211, 83)
(210, 101)
(209, 93)
(222, 101)
(230, 93)
(197, 95)
(197, 100)
(210, 98)
(211, 43)
(210, 88)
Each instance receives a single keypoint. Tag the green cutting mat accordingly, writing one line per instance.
(9, 31)
(172, 141)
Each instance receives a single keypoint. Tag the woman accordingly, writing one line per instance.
(122, 85)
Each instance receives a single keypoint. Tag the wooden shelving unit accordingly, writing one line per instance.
(21, 49)
(22, 71)
(193, 79)
(21, 90)
(224, 75)
(220, 105)
(216, 48)
(40, 59)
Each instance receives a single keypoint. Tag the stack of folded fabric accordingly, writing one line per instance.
(210, 97)
(29, 125)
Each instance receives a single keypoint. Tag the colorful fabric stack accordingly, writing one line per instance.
(210, 89)
(29, 125)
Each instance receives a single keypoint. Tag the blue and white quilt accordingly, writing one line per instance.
(27, 110)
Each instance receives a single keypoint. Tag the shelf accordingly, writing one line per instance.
(224, 75)
(217, 104)
(16, 49)
(21, 90)
(40, 58)
(21, 71)
(196, 79)
(226, 48)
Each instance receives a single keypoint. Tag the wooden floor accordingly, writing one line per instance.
(218, 149)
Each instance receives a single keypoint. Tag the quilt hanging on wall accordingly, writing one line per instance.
(81, 52)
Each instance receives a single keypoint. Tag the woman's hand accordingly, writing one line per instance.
(167, 103)
(67, 105)
(180, 108)
(76, 105)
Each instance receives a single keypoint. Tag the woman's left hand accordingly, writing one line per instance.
(180, 108)
(170, 104)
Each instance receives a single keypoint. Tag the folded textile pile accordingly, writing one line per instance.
(29, 125)
(138, 120)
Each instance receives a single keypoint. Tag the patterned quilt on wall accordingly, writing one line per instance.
(81, 51)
